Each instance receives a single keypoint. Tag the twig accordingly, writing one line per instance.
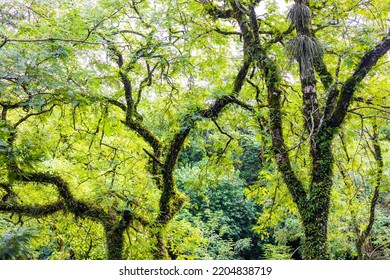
(153, 157)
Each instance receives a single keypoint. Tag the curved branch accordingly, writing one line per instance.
(62, 40)
(366, 64)
(129, 108)
(3, 43)
(216, 12)
(226, 134)
(116, 103)
(33, 211)
(33, 114)
(74, 205)
(147, 81)
(242, 104)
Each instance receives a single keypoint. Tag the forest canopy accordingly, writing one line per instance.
(194, 129)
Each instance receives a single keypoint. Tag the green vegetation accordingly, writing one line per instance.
(194, 129)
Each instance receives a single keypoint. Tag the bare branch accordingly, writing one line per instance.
(3, 43)
(116, 103)
(33, 114)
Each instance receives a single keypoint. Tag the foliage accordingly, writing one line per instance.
(273, 252)
(15, 242)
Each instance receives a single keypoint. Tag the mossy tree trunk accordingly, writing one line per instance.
(315, 211)
(321, 123)
(114, 243)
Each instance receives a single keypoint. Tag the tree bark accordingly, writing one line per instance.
(316, 210)
(114, 242)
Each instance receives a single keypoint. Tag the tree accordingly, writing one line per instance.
(150, 60)
(322, 121)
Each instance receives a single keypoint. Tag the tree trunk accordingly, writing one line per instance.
(315, 245)
(114, 241)
(315, 222)
(316, 209)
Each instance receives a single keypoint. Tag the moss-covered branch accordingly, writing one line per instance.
(113, 227)
(331, 87)
(215, 11)
(131, 120)
(368, 61)
(77, 207)
(322, 70)
(34, 211)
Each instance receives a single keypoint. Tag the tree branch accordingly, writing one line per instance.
(77, 207)
(61, 40)
(129, 108)
(146, 134)
(378, 180)
(3, 43)
(321, 69)
(33, 114)
(147, 81)
(171, 201)
(347, 91)
(153, 157)
(242, 104)
(33, 211)
(216, 12)
(224, 32)
(83, 41)
(116, 103)
(279, 38)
